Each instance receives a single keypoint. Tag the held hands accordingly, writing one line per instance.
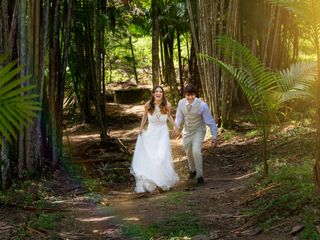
(175, 132)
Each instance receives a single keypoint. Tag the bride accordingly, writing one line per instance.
(152, 164)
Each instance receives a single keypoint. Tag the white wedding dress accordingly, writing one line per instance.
(152, 163)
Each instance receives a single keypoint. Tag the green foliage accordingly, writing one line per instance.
(17, 104)
(35, 195)
(22, 234)
(309, 232)
(265, 90)
(113, 172)
(228, 134)
(293, 201)
(294, 197)
(41, 222)
(46, 221)
(181, 226)
(174, 198)
(92, 184)
(73, 169)
(140, 232)
(27, 193)
(256, 81)
(253, 133)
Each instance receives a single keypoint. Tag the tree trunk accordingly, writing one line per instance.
(170, 74)
(133, 60)
(209, 19)
(5, 27)
(180, 65)
(34, 15)
(317, 155)
(162, 69)
(13, 28)
(62, 78)
(22, 62)
(40, 139)
(155, 42)
(207, 32)
(275, 59)
(96, 76)
(227, 83)
(194, 77)
(5, 163)
(53, 77)
(4, 149)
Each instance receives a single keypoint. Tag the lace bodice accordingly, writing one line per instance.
(157, 118)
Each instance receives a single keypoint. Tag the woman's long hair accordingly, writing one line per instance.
(163, 104)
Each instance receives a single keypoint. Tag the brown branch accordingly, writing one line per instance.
(43, 233)
(259, 193)
(6, 228)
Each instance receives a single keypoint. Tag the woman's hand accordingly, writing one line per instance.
(140, 131)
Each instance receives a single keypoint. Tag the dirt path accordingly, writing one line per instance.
(216, 205)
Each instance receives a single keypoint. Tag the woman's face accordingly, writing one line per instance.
(158, 94)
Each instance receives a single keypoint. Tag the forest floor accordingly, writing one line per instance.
(92, 197)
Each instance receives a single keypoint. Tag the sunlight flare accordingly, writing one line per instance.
(95, 219)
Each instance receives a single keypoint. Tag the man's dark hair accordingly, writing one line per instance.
(190, 89)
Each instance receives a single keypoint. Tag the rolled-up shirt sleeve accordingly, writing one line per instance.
(208, 119)
(179, 115)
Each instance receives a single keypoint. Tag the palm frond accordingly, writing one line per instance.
(254, 78)
(17, 104)
(297, 81)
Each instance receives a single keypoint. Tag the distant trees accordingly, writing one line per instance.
(273, 38)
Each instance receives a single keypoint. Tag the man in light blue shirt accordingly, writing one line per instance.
(195, 115)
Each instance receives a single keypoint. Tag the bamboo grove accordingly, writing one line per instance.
(66, 49)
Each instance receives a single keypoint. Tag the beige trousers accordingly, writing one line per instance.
(192, 144)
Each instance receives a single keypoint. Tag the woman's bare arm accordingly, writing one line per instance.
(144, 118)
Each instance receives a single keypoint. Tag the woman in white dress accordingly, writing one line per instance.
(152, 163)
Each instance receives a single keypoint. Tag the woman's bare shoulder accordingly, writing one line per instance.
(147, 105)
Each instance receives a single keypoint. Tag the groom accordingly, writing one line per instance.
(196, 115)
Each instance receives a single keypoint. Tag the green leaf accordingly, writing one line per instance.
(297, 81)
(17, 105)
(14, 84)
(6, 123)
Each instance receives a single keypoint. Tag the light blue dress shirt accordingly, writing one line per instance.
(203, 111)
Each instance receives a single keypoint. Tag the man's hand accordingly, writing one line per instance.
(175, 132)
(213, 143)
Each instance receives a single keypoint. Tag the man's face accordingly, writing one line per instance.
(190, 97)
